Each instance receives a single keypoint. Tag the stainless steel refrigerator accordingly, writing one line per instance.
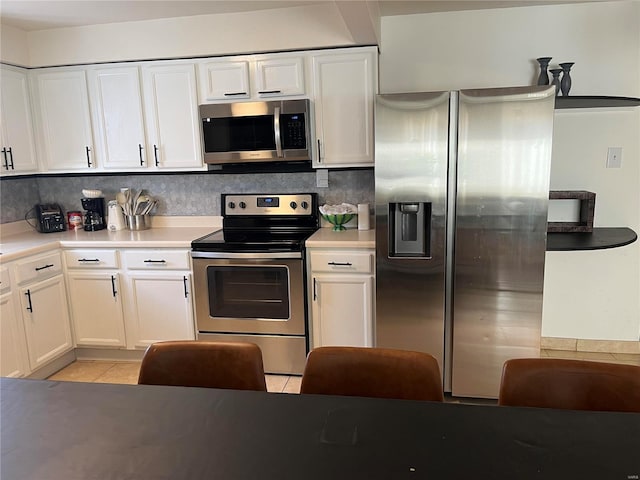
(462, 186)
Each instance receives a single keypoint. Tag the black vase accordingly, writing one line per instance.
(543, 78)
(565, 83)
(556, 78)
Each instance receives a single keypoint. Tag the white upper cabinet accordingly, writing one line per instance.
(16, 127)
(116, 101)
(63, 119)
(222, 79)
(279, 76)
(251, 77)
(171, 112)
(344, 84)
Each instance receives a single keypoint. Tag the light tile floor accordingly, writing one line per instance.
(98, 371)
(127, 372)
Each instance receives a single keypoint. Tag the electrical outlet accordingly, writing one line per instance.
(322, 178)
(614, 157)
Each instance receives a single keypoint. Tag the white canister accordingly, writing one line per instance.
(116, 217)
(363, 216)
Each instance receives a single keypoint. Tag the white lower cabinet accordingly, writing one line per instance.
(96, 308)
(46, 320)
(159, 304)
(341, 297)
(13, 346)
(160, 307)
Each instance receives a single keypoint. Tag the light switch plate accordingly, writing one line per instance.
(614, 157)
(322, 178)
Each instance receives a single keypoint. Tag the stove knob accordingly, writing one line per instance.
(293, 205)
(242, 205)
(304, 205)
(231, 205)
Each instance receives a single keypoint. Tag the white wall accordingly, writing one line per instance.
(298, 28)
(13, 46)
(588, 295)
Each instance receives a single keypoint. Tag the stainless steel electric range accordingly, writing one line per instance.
(249, 277)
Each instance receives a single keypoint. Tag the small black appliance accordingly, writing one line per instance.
(50, 218)
(94, 213)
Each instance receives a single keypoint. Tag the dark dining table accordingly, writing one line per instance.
(85, 431)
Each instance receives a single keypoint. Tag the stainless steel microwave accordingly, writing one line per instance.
(242, 132)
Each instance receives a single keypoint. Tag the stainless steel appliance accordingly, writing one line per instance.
(462, 186)
(249, 277)
(94, 213)
(273, 131)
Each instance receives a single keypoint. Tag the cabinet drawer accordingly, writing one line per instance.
(5, 284)
(347, 262)
(157, 259)
(91, 259)
(38, 268)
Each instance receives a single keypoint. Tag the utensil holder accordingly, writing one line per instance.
(138, 222)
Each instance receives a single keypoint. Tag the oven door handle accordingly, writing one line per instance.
(247, 255)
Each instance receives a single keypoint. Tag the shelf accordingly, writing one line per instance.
(600, 238)
(579, 101)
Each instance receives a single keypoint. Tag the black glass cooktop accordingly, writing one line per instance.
(252, 241)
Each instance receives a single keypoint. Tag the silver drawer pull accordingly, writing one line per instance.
(88, 259)
(340, 264)
(42, 268)
(155, 261)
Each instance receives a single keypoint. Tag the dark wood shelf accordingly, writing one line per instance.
(581, 101)
(600, 238)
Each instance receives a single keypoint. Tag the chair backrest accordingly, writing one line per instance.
(570, 384)
(372, 372)
(192, 363)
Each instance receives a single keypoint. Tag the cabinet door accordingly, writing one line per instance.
(46, 320)
(277, 77)
(116, 101)
(96, 308)
(342, 310)
(64, 118)
(161, 308)
(18, 141)
(223, 80)
(344, 87)
(12, 342)
(171, 111)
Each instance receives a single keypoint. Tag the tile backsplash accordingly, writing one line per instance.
(189, 194)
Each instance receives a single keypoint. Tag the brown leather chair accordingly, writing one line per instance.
(203, 364)
(372, 372)
(570, 384)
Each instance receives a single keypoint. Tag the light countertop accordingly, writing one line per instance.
(350, 238)
(20, 242)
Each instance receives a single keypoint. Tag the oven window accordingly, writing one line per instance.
(248, 292)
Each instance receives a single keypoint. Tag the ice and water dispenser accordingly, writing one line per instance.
(410, 229)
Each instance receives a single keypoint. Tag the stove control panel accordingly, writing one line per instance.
(244, 204)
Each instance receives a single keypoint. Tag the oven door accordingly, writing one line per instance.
(249, 294)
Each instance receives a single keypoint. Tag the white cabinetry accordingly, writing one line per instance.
(160, 306)
(341, 291)
(44, 308)
(63, 119)
(16, 127)
(171, 112)
(116, 100)
(13, 353)
(96, 297)
(344, 84)
(251, 77)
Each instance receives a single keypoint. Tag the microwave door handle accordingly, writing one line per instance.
(276, 129)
